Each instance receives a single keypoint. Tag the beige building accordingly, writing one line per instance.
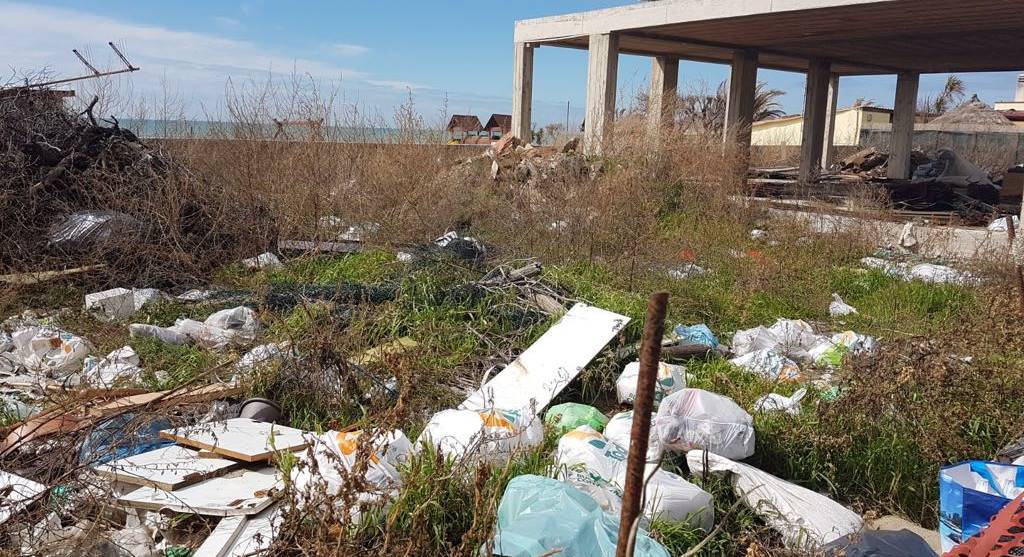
(788, 130)
(1014, 110)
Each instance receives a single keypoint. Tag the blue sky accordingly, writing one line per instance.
(453, 52)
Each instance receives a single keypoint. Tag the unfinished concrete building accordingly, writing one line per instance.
(826, 39)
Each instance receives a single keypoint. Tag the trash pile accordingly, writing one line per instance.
(513, 162)
(95, 193)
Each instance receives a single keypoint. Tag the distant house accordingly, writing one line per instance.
(464, 128)
(498, 125)
(850, 122)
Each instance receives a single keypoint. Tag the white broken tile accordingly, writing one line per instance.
(17, 492)
(245, 493)
(240, 438)
(167, 468)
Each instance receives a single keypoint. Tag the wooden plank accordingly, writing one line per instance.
(246, 493)
(240, 438)
(541, 372)
(166, 468)
(184, 396)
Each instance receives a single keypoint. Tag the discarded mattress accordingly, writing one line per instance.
(806, 520)
(698, 419)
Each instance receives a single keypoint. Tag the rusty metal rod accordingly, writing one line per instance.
(650, 354)
(1012, 234)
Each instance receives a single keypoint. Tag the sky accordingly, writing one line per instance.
(451, 56)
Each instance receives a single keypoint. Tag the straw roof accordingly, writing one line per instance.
(974, 113)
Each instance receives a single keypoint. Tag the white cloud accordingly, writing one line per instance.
(346, 49)
(227, 22)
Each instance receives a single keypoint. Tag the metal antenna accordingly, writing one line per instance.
(95, 73)
(84, 61)
(121, 56)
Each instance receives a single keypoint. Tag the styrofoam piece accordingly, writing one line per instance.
(240, 438)
(18, 492)
(167, 468)
(245, 493)
(806, 520)
(114, 304)
(541, 372)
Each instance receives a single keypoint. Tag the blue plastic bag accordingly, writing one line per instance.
(697, 334)
(971, 493)
(537, 515)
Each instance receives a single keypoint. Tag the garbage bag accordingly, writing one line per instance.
(880, 543)
(620, 430)
(775, 401)
(839, 308)
(698, 419)
(971, 493)
(830, 351)
(489, 435)
(569, 416)
(48, 351)
(806, 520)
(121, 364)
(769, 364)
(597, 466)
(169, 335)
(324, 469)
(791, 338)
(229, 326)
(753, 340)
(671, 378)
(85, 227)
(538, 515)
(114, 304)
(696, 334)
(263, 261)
(122, 436)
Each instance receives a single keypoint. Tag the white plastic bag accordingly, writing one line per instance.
(753, 340)
(671, 378)
(115, 304)
(105, 372)
(769, 364)
(775, 401)
(169, 335)
(229, 326)
(620, 430)
(324, 468)
(806, 520)
(488, 435)
(263, 261)
(839, 308)
(52, 352)
(597, 466)
(698, 419)
(830, 351)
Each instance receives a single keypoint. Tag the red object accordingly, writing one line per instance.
(1004, 535)
(687, 255)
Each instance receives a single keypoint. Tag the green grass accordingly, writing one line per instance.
(176, 364)
(366, 267)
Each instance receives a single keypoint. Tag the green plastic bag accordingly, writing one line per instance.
(538, 515)
(569, 416)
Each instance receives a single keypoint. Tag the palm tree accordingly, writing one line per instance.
(707, 112)
(951, 95)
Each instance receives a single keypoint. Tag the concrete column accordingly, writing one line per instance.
(904, 110)
(522, 91)
(828, 151)
(602, 73)
(815, 108)
(739, 104)
(661, 100)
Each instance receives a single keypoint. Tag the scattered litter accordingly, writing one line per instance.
(120, 365)
(880, 543)
(569, 416)
(228, 326)
(686, 271)
(47, 351)
(83, 228)
(263, 355)
(115, 304)
(196, 295)
(839, 308)
(698, 419)
(620, 430)
(541, 372)
(925, 272)
(999, 224)
(167, 468)
(774, 401)
(769, 364)
(542, 516)
(242, 493)
(240, 438)
(266, 260)
(489, 435)
(326, 468)
(378, 353)
(758, 234)
(971, 493)
(17, 492)
(806, 520)
(164, 334)
(829, 352)
(671, 378)
(696, 334)
(787, 337)
(262, 410)
(597, 466)
(122, 436)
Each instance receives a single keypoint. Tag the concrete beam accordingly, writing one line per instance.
(739, 104)
(522, 91)
(661, 100)
(904, 110)
(602, 75)
(815, 111)
(828, 151)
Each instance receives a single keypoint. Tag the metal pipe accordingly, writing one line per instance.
(650, 354)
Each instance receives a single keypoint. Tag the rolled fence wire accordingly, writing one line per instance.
(650, 354)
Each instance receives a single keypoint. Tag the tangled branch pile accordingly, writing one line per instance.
(74, 192)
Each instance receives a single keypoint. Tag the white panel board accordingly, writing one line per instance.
(222, 537)
(167, 468)
(548, 365)
(15, 493)
(240, 438)
(257, 534)
(244, 493)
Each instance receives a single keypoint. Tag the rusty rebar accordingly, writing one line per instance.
(1012, 234)
(650, 354)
